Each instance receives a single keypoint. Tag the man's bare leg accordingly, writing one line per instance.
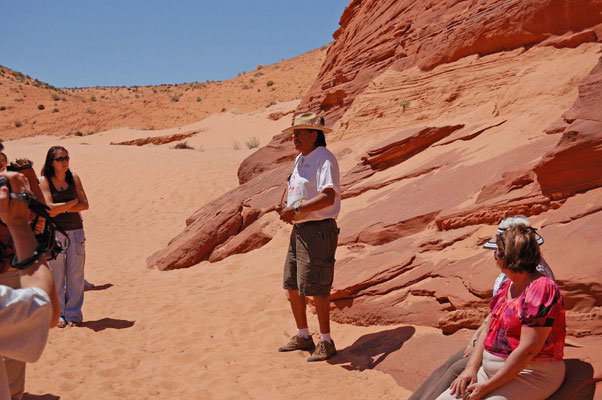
(298, 307)
(323, 310)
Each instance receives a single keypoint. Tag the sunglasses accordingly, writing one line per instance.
(61, 159)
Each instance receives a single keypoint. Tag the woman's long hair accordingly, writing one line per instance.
(48, 169)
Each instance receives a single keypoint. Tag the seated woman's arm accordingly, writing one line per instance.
(82, 199)
(469, 375)
(55, 208)
(475, 337)
(532, 340)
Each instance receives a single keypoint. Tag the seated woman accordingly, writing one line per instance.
(519, 353)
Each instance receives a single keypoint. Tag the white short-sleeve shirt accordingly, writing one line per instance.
(24, 321)
(312, 174)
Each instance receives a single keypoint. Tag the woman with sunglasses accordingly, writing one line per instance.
(519, 353)
(65, 195)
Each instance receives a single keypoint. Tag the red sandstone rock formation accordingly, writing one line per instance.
(375, 35)
(157, 140)
(448, 116)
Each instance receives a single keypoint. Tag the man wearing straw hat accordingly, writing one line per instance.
(313, 204)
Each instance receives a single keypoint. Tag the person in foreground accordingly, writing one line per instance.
(15, 369)
(313, 204)
(519, 352)
(65, 195)
(443, 376)
(28, 313)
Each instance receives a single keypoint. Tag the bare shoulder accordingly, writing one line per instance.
(43, 182)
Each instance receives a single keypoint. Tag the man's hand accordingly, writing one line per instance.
(12, 211)
(286, 214)
(22, 162)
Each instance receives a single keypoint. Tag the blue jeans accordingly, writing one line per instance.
(68, 272)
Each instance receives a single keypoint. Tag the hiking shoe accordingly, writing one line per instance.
(324, 350)
(298, 343)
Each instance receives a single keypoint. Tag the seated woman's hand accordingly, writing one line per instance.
(476, 391)
(459, 385)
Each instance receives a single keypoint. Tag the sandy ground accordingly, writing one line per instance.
(206, 332)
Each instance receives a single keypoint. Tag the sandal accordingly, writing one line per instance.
(61, 323)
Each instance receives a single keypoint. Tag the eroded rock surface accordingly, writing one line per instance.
(376, 35)
(447, 117)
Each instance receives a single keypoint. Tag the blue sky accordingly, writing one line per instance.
(134, 42)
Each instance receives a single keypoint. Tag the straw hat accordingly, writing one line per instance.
(508, 223)
(308, 120)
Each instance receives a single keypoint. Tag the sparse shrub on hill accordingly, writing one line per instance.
(324, 47)
(253, 143)
(41, 107)
(236, 145)
(175, 97)
(252, 80)
(93, 98)
(256, 74)
(55, 110)
(18, 76)
(55, 96)
(18, 123)
(223, 109)
(259, 66)
(2, 108)
(89, 111)
(182, 145)
(269, 83)
(276, 66)
(245, 86)
(404, 104)
(63, 98)
(198, 99)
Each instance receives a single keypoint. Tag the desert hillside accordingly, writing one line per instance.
(29, 107)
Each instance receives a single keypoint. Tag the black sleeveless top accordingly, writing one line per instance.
(67, 220)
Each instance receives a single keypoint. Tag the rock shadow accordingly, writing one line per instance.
(98, 287)
(370, 350)
(107, 323)
(47, 396)
(579, 382)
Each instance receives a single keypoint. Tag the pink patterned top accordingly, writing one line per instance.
(540, 305)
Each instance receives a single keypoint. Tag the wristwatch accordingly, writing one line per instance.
(296, 208)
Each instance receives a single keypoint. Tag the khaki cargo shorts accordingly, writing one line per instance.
(309, 265)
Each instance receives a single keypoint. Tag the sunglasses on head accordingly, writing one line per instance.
(61, 159)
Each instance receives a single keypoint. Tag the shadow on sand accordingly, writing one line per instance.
(98, 287)
(107, 323)
(370, 350)
(47, 396)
